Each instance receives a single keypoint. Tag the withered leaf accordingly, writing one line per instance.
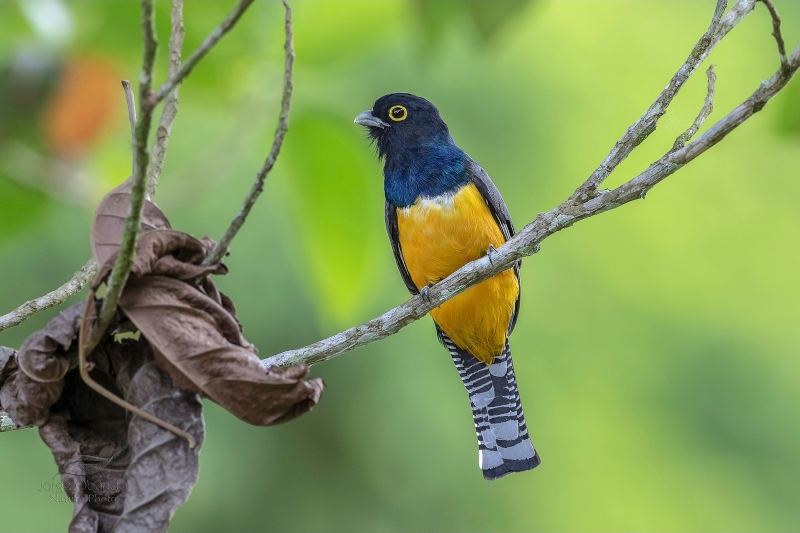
(167, 253)
(197, 339)
(84, 465)
(201, 346)
(42, 362)
(56, 435)
(121, 476)
(108, 224)
(163, 470)
(87, 436)
(8, 363)
(5, 356)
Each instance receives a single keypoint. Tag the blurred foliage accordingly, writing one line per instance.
(657, 348)
(789, 120)
(490, 18)
(334, 216)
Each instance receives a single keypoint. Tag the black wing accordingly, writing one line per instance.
(394, 238)
(492, 198)
(491, 195)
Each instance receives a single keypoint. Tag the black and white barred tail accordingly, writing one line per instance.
(503, 442)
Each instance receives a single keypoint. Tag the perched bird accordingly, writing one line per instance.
(443, 211)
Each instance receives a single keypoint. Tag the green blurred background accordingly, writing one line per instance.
(657, 348)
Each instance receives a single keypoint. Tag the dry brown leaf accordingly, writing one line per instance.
(166, 253)
(8, 363)
(108, 224)
(197, 338)
(42, 362)
(121, 476)
(163, 469)
(194, 337)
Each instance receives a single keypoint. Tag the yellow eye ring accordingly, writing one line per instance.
(398, 113)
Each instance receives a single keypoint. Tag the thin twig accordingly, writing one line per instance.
(127, 251)
(527, 241)
(642, 128)
(51, 299)
(225, 26)
(223, 245)
(708, 107)
(171, 102)
(131, 103)
(776, 32)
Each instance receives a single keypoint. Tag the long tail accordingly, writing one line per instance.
(503, 442)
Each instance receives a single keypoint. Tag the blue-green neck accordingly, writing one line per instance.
(426, 170)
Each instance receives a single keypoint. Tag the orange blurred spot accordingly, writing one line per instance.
(83, 106)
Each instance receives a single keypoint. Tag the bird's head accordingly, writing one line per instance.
(400, 121)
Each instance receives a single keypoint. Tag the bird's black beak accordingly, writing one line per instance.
(369, 120)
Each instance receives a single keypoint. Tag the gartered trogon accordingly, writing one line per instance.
(443, 211)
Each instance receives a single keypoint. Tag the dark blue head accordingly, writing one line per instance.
(420, 157)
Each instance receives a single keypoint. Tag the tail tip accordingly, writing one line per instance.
(511, 466)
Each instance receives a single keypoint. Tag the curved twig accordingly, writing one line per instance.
(776, 32)
(221, 248)
(705, 111)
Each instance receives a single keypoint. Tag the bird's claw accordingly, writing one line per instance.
(490, 253)
(425, 293)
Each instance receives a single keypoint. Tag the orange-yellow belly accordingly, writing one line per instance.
(440, 235)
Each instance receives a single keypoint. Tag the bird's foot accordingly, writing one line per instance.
(490, 253)
(425, 293)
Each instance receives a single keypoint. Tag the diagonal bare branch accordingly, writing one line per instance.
(527, 241)
(52, 298)
(646, 124)
(224, 243)
(171, 102)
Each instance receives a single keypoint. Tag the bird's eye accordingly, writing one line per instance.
(398, 113)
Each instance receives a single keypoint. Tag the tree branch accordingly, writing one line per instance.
(776, 32)
(642, 128)
(225, 26)
(224, 243)
(708, 107)
(127, 251)
(170, 109)
(527, 241)
(51, 299)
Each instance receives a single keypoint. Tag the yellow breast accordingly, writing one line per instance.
(440, 235)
